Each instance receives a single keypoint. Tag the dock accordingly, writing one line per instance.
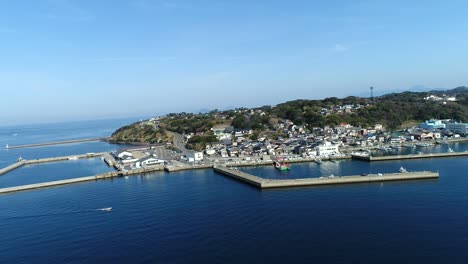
(269, 183)
(56, 143)
(411, 156)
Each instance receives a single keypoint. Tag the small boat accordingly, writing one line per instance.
(281, 165)
(107, 209)
(450, 150)
(403, 170)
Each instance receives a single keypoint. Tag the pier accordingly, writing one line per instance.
(55, 143)
(269, 183)
(411, 156)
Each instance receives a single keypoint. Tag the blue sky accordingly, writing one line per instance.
(80, 59)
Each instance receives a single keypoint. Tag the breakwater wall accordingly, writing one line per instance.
(103, 176)
(411, 156)
(46, 160)
(187, 167)
(56, 143)
(268, 183)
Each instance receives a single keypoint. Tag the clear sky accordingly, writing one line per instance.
(88, 59)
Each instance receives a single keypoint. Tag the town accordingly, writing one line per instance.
(236, 146)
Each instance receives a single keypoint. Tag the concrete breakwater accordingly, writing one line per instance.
(102, 176)
(268, 183)
(411, 156)
(46, 160)
(56, 143)
(187, 167)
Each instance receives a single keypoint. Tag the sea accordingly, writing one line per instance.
(202, 217)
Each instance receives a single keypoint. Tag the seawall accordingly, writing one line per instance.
(56, 143)
(411, 156)
(46, 160)
(102, 176)
(268, 183)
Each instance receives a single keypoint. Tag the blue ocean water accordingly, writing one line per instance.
(203, 217)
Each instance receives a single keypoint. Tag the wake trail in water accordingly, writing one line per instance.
(106, 209)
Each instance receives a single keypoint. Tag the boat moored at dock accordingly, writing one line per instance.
(281, 165)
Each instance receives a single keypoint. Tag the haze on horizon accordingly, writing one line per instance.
(75, 60)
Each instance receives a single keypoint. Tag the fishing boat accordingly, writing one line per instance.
(281, 165)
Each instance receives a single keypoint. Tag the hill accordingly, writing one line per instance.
(391, 110)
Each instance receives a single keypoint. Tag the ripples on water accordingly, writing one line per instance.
(203, 217)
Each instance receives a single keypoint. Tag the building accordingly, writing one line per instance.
(432, 125)
(327, 149)
(148, 161)
(197, 156)
(459, 128)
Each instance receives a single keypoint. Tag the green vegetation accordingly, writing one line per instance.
(392, 110)
(199, 142)
(136, 133)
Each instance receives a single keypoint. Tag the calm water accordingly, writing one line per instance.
(202, 217)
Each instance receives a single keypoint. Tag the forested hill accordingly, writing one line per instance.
(391, 110)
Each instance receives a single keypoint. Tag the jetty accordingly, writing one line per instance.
(329, 180)
(23, 162)
(410, 156)
(55, 143)
(102, 176)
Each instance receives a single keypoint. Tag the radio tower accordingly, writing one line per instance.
(372, 94)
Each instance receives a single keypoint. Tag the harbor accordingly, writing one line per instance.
(231, 170)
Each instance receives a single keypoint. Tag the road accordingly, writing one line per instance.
(179, 142)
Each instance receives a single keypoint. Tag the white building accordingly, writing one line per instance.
(327, 149)
(148, 161)
(210, 151)
(197, 156)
